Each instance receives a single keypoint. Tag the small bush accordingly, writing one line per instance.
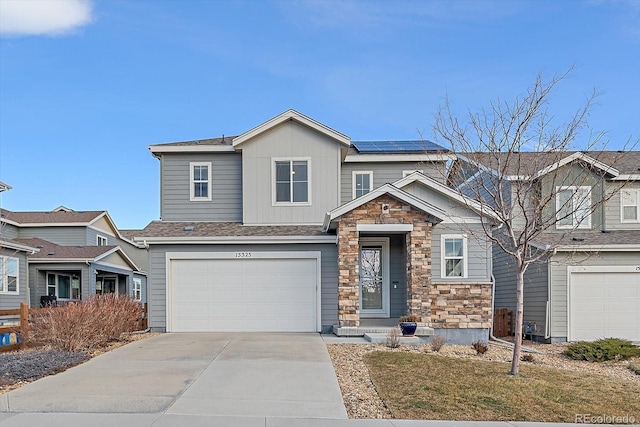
(527, 358)
(602, 350)
(634, 366)
(86, 325)
(393, 338)
(437, 342)
(409, 318)
(480, 347)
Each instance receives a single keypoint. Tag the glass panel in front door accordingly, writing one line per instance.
(371, 277)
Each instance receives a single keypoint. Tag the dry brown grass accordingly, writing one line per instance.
(85, 326)
(427, 386)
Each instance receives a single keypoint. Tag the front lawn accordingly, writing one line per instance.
(428, 386)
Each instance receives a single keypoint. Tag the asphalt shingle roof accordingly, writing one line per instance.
(225, 229)
(53, 251)
(627, 163)
(224, 140)
(592, 238)
(56, 217)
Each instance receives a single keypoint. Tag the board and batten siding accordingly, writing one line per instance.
(613, 218)
(10, 301)
(226, 188)
(289, 140)
(63, 236)
(385, 173)
(478, 252)
(559, 281)
(157, 281)
(536, 289)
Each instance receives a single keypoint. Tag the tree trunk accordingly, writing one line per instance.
(515, 362)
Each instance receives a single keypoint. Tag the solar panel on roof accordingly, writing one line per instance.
(397, 146)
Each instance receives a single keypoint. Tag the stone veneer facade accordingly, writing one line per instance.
(439, 305)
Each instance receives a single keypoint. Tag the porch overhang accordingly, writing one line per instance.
(384, 228)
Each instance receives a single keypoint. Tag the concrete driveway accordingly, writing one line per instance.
(255, 375)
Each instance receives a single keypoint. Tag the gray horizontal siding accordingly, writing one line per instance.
(64, 236)
(478, 252)
(92, 237)
(383, 173)
(157, 283)
(38, 278)
(226, 188)
(12, 301)
(613, 220)
(535, 289)
(559, 278)
(8, 231)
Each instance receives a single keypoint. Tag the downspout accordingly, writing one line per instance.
(547, 325)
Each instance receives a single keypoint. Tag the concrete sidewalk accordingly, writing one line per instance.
(265, 375)
(167, 420)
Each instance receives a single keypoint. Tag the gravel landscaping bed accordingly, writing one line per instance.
(361, 398)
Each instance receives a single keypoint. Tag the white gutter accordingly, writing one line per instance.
(230, 240)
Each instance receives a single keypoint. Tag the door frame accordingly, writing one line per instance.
(385, 313)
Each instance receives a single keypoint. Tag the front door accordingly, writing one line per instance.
(374, 277)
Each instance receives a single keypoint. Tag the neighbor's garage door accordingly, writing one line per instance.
(604, 304)
(243, 295)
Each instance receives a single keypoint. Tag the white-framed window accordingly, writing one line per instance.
(291, 181)
(405, 173)
(573, 207)
(630, 205)
(200, 181)
(101, 240)
(63, 286)
(9, 275)
(454, 255)
(362, 182)
(137, 289)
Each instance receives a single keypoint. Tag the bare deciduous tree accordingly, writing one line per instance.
(517, 160)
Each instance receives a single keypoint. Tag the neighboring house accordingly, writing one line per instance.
(78, 254)
(14, 287)
(589, 287)
(291, 226)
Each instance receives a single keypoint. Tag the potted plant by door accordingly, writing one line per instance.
(408, 324)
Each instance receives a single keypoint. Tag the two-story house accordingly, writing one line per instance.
(588, 287)
(291, 226)
(71, 255)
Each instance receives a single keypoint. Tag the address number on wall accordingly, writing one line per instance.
(243, 254)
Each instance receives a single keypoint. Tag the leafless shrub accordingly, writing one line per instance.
(437, 342)
(528, 358)
(86, 325)
(393, 338)
(480, 347)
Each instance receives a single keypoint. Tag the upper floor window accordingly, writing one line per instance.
(200, 181)
(454, 255)
(291, 180)
(137, 289)
(405, 173)
(362, 182)
(573, 207)
(101, 240)
(8, 275)
(630, 205)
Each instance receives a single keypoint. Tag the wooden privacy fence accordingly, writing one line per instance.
(12, 336)
(503, 323)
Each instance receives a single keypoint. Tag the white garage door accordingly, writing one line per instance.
(604, 304)
(250, 294)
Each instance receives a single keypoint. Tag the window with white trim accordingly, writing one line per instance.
(454, 255)
(405, 173)
(137, 289)
(200, 181)
(573, 207)
(362, 182)
(292, 181)
(630, 205)
(101, 240)
(9, 275)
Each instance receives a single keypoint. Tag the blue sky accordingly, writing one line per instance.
(86, 86)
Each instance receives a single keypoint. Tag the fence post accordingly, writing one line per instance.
(24, 323)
